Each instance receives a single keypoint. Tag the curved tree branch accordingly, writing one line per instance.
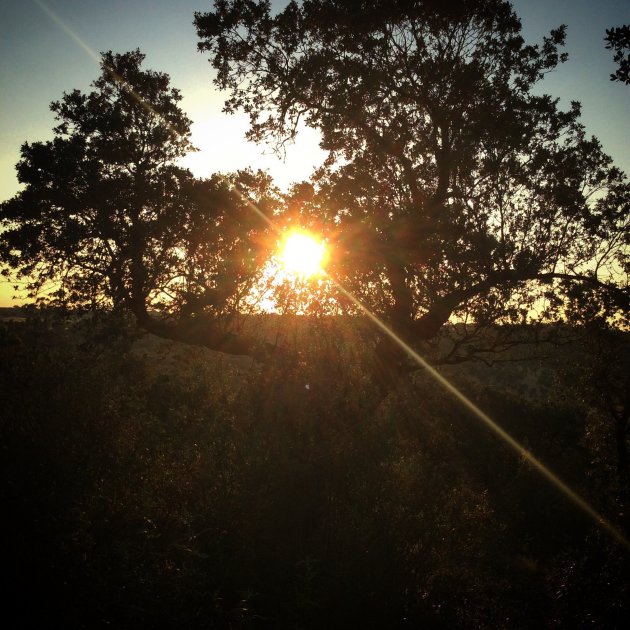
(441, 310)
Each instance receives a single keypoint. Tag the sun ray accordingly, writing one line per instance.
(492, 425)
(97, 58)
(516, 446)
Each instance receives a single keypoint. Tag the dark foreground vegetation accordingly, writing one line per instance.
(148, 485)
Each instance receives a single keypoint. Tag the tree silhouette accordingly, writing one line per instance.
(107, 218)
(452, 192)
(618, 39)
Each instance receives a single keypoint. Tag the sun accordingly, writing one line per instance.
(302, 255)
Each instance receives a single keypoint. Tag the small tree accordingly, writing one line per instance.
(453, 192)
(107, 218)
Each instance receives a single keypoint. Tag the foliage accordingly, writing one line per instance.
(618, 39)
(453, 189)
(108, 218)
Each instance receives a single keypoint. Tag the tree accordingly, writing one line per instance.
(107, 218)
(618, 39)
(452, 192)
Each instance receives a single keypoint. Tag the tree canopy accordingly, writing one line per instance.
(453, 189)
(107, 217)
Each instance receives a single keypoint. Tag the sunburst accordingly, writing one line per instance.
(302, 255)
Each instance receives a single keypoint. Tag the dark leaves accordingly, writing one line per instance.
(618, 40)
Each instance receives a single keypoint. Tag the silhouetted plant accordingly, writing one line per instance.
(618, 40)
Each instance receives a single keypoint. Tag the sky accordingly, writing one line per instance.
(48, 47)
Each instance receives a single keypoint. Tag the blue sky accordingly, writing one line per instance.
(40, 60)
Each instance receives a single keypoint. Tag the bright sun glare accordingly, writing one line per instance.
(302, 255)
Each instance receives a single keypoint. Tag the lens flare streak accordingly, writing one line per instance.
(93, 55)
(491, 424)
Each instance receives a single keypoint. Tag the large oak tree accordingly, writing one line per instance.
(106, 217)
(454, 189)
